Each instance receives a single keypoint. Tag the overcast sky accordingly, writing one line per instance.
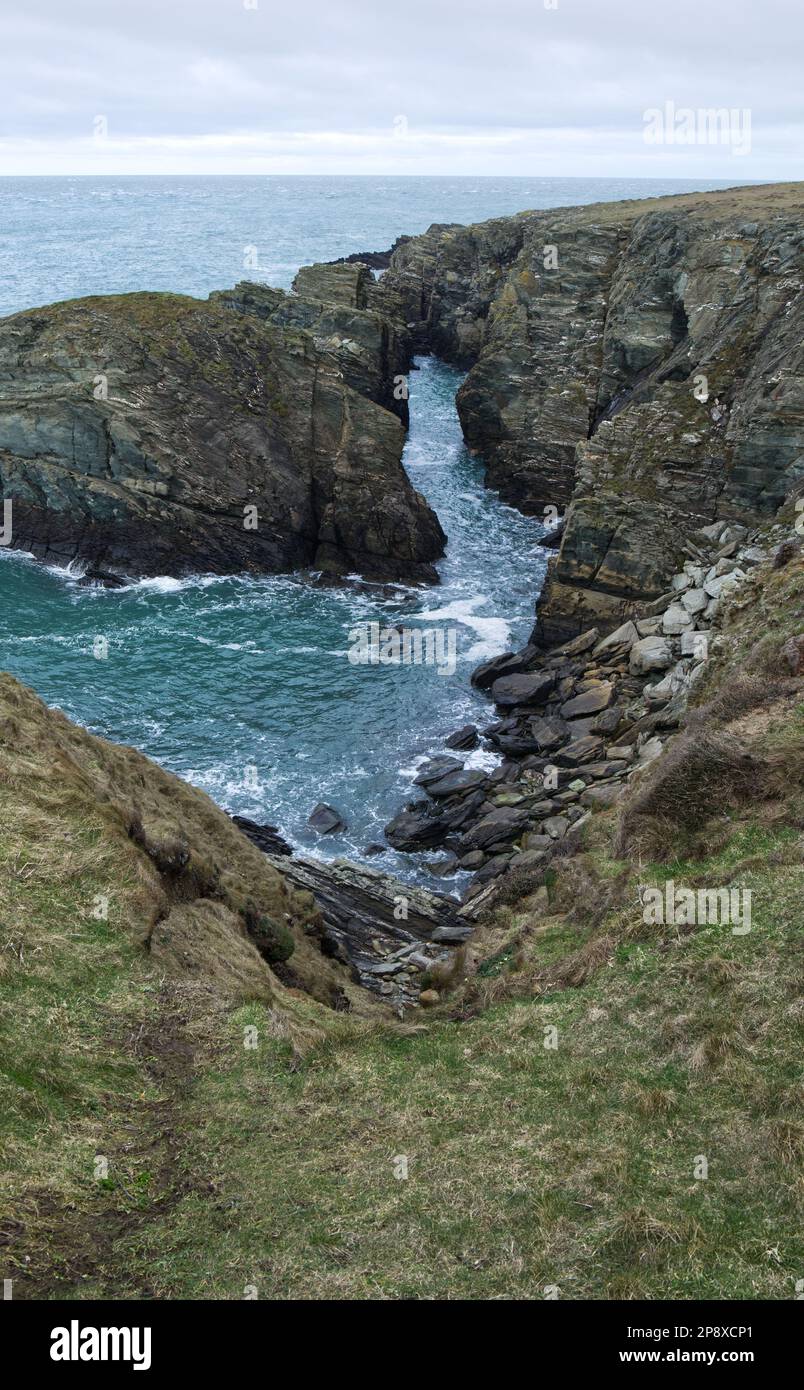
(421, 87)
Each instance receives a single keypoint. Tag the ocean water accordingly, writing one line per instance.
(244, 686)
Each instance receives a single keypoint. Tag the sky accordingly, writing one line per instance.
(503, 87)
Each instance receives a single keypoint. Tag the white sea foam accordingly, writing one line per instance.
(494, 633)
(74, 570)
(481, 759)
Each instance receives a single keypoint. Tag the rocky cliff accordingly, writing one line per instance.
(639, 361)
(157, 434)
(578, 725)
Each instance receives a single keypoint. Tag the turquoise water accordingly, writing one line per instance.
(62, 237)
(243, 686)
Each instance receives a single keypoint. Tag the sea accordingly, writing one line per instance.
(248, 687)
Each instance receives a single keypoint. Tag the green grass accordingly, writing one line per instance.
(276, 1167)
(527, 1166)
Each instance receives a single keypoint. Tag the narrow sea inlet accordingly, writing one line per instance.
(244, 686)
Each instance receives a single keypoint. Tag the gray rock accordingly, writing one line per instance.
(509, 664)
(581, 750)
(465, 738)
(650, 654)
(675, 620)
(451, 936)
(602, 795)
(444, 868)
(590, 702)
(529, 859)
(436, 768)
(548, 734)
(720, 585)
(531, 840)
(456, 783)
(533, 689)
(695, 600)
(621, 640)
(325, 819)
(505, 824)
(417, 829)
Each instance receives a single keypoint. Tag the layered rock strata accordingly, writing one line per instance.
(156, 434)
(576, 723)
(639, 363)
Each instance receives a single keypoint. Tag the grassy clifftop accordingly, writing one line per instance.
(130, 905)
(599, 1105)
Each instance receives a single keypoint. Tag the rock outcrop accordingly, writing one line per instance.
(637, 362)
(158, 434)
(162, 869)
(387, 932)
(579, 721)
(331, 303)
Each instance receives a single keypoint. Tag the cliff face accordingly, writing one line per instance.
(155, 434)
(591, 335)
(370, 349)
(640, 363)
(124, 848)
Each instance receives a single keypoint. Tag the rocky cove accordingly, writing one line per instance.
(635, 367)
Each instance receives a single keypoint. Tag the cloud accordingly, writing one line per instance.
(504, 87)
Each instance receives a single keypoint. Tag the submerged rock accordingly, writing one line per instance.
(325, 819)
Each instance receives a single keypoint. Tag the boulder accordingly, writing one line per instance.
(533, 841)
(618, 642)
(722, 584)
(590, 702)
(675, 620)
(581, 750)
(463, 739)
(534, 689)
(417, 829)
(530, 858)
(325, 820)
(456, 783)
(695, 600)
(503, 825)
(435, 768)
(650, 654)
(578, 645)
(548, 734)
(509, 664)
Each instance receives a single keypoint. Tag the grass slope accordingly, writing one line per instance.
(542, 1130)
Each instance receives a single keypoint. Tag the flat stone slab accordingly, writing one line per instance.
(523, 690)
(456, 783)
(581, 750)
(436, 768)
(590, 702)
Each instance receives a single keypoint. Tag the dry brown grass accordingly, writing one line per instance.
(702, 773)
(182, 848)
